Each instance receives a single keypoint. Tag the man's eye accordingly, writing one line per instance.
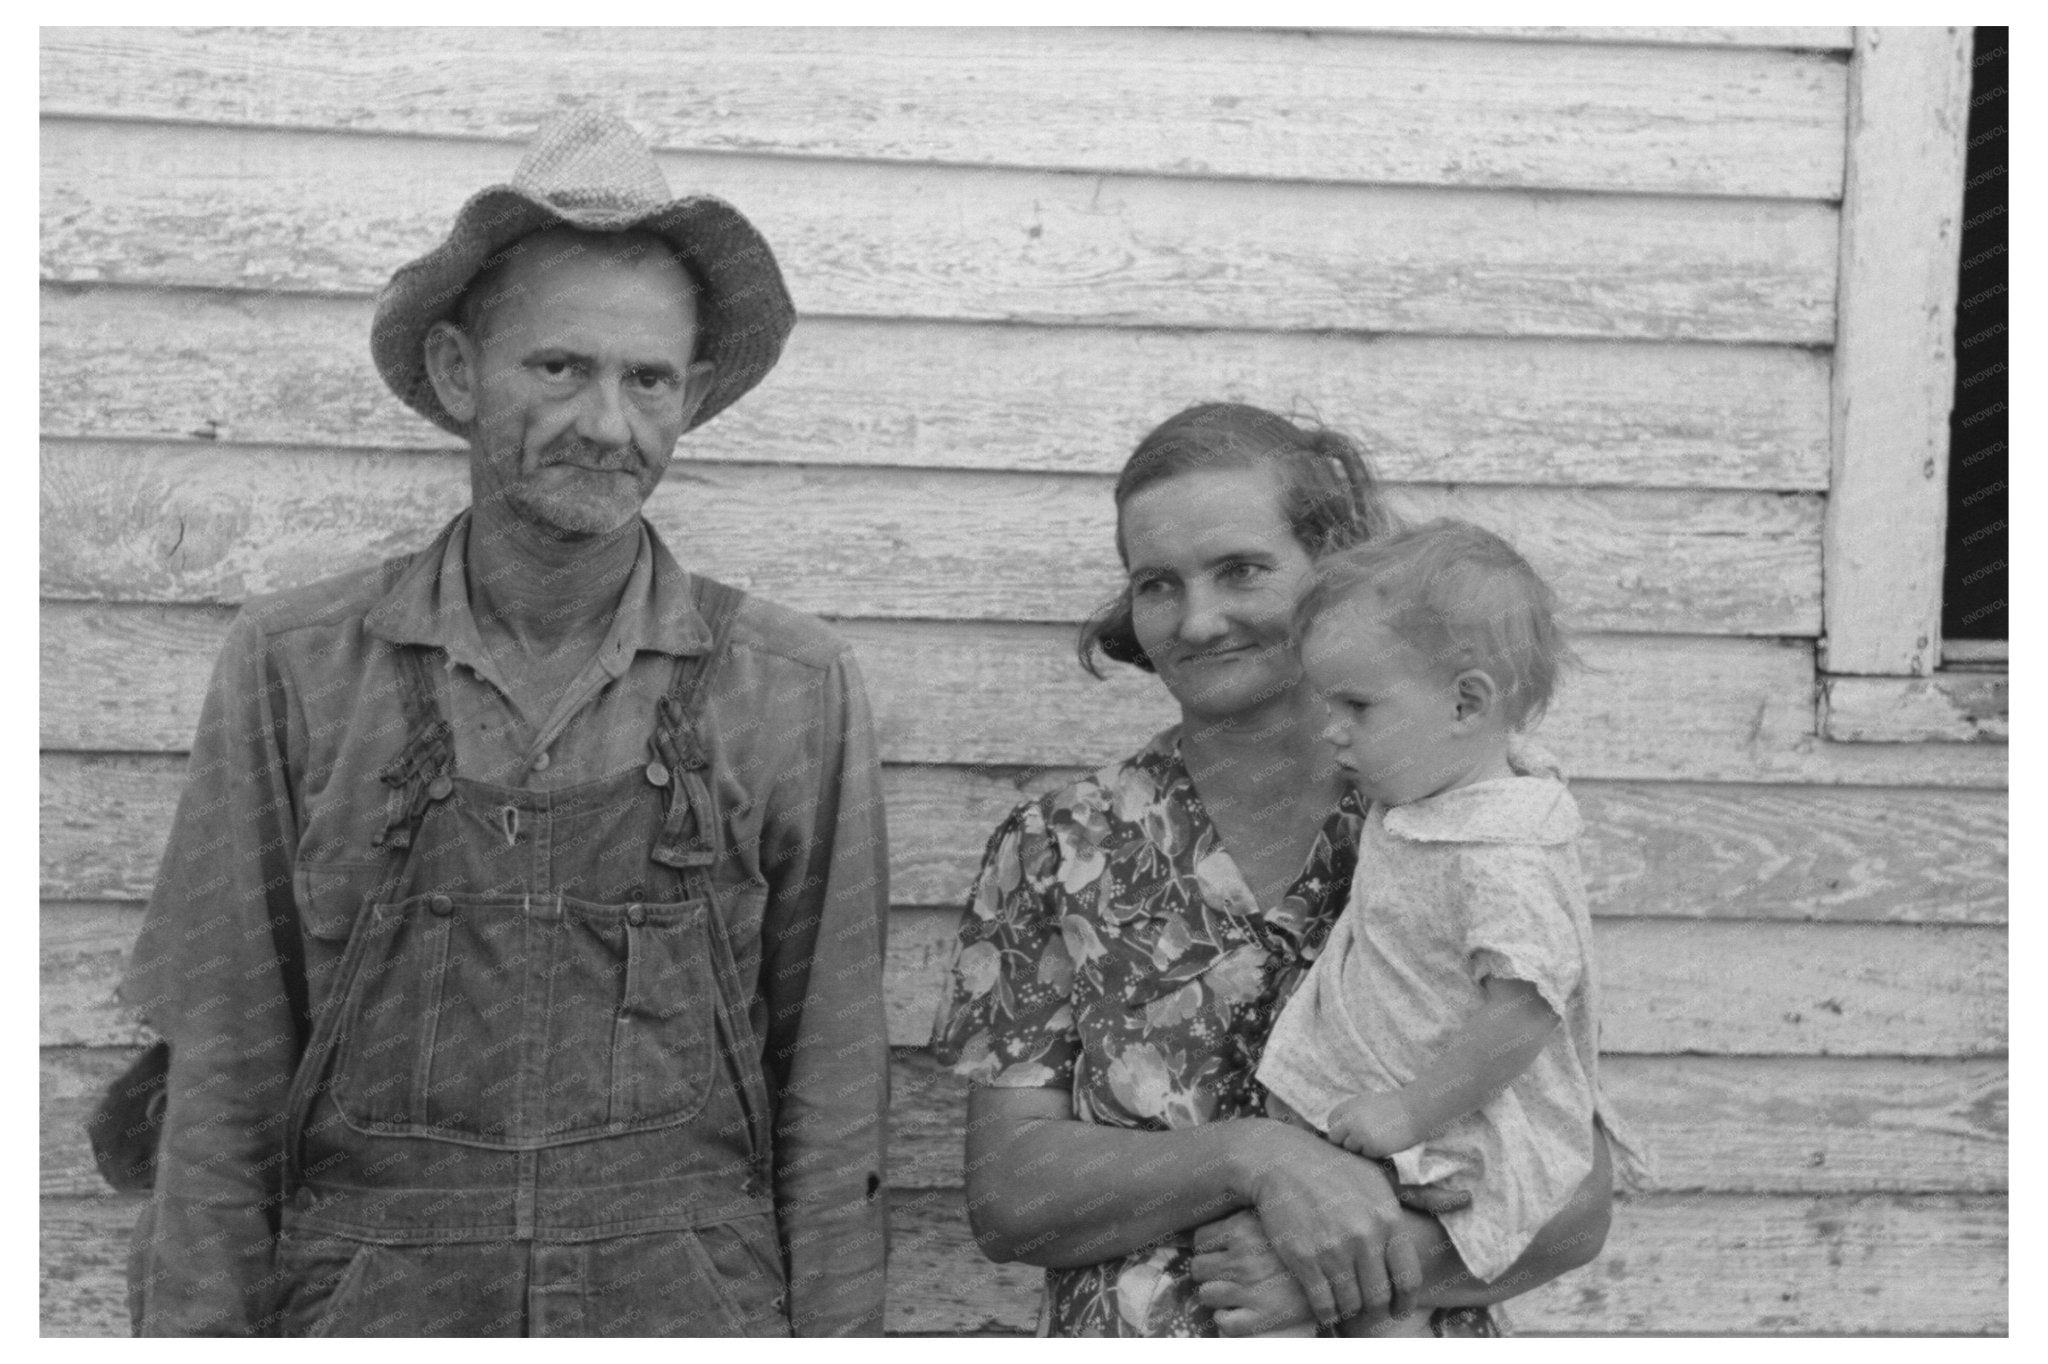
(1149, 587)
(557, 369)
(1241, 572)
(651, 381)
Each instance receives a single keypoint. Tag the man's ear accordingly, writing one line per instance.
(1478, 697)
(452, 368)
(697, 381)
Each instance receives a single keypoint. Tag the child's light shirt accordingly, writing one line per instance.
(1480, 881)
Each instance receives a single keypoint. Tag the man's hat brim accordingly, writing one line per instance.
(744, 313)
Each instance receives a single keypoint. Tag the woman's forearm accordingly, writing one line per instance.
(1052, 1191)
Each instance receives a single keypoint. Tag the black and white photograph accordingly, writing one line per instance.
(806, 681)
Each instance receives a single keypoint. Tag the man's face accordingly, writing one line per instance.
(581, 380)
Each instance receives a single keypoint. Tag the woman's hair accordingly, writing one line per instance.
(1462, 598)
(1328, 494)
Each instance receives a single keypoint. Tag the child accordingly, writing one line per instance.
(1428, 1029)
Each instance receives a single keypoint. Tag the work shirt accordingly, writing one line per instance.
(301, 721)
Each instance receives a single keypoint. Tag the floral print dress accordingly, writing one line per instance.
(1112, 948)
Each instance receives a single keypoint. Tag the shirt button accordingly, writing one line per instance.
(540, 764)
(442, 906)
(440, 788)
(657, 773)
(635, 915)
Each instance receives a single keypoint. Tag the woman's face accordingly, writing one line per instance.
(1215, 573)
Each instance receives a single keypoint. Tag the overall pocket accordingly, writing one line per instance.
(517, 1023)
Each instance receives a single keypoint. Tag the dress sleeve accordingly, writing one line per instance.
(1524, 913)
(1008, 1019)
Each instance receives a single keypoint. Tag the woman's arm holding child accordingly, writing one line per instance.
(1481, 1059)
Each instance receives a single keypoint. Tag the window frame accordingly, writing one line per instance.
(1881, 656)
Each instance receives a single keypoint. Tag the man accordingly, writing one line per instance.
(519, 938)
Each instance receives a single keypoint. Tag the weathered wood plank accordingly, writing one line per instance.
(1950, 707)
(1674, 985)
(1725, 1125)
(1867, 1265)
(1650, 850)
(1668, 985)
(1864, 1265)
(1895, 350)
(83, 1266)
(1209, 102)
(161, 204)
(1652, 708)
(256, 368)
(1814, 38)
(150, 522)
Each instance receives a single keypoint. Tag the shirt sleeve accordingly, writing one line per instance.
(1008, 1020)
(1520, 921)
(207, 975)
(825, 856)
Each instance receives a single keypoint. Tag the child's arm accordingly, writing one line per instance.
(1480, 1060)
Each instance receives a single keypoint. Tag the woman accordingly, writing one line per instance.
(1131, 938)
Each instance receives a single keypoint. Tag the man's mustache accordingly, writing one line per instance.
(613, 459)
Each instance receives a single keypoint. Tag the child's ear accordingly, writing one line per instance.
(1478, 698)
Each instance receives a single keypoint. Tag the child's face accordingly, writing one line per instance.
(1394, 718)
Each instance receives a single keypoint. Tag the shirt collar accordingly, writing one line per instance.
(1505, 810)
(429, 604)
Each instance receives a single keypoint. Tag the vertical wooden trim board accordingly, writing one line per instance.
(1909, 92)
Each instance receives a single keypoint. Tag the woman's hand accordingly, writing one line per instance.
(1334, 1223)
(1242, 1281)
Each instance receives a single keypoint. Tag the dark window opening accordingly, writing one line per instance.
(1974, 581)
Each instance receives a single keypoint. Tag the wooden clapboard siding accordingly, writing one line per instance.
(1803, 1125)
(155, 204)
(1579, 284)
(1650, 850)
(1272, 106)
(1816, 39)
(264, 369)
(1669, 985)
(1648, 707)
(150, 522)
(1698, 1263)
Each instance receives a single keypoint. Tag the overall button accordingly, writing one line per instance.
(635, 915)
(540, 764)
(440, 788)
(657, 773)
(441, 905)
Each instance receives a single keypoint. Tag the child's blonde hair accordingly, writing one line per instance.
(1463, 598)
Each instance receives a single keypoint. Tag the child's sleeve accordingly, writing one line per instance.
(1524, 912)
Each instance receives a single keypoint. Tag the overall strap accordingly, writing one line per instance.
(692, 840)
(419, 774)
(692, 833)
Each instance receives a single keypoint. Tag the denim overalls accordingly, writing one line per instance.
(532, 1100)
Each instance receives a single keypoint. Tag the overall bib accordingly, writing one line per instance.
(532, 1100)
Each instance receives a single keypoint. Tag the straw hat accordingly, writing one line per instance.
(590, 170)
